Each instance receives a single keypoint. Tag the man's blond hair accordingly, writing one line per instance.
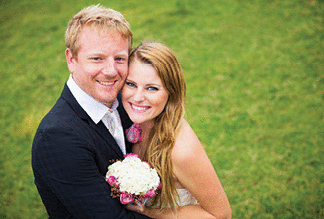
(100, 18)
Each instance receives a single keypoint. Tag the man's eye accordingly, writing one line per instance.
(120, 59)
(96, 59)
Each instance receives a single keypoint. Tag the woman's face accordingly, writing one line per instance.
(144, 96)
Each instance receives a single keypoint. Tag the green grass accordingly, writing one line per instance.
(254, 72)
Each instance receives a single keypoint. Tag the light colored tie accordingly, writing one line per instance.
(115, 128)
(110, 124)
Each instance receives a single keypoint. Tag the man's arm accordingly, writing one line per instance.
(67, 174)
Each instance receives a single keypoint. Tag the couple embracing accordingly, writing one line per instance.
(85, 131)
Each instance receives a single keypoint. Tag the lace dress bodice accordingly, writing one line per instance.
(185, 198)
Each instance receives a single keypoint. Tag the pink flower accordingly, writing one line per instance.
(112, 180)
(160, 185)
(126, 198)
(150, 193)
(131, 155)
(133, 134)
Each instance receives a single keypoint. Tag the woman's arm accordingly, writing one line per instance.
(195, 172)
(184, 212)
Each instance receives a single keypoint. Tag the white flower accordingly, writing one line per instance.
(134, 176)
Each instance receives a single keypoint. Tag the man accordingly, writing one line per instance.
(83, 134)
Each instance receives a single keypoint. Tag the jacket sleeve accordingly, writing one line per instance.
(68, 178)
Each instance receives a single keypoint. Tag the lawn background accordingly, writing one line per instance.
(255, 82)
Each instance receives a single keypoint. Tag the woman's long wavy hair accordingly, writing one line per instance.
(166, 126)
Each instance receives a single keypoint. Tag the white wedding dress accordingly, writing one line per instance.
(185, 198)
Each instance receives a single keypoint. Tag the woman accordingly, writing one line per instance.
(154, 98)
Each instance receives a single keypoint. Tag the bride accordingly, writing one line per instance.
(154, 98)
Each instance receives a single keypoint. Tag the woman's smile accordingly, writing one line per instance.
(144, 96)
(139, 108)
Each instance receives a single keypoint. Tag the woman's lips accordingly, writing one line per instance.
(139, 108)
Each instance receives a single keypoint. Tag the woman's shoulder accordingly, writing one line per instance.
(187, 144)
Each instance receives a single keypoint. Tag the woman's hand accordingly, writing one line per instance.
(150, 212)
(137, 208)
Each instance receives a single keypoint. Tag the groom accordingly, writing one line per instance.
(83, 133)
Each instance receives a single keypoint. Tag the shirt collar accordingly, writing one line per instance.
(93, 108)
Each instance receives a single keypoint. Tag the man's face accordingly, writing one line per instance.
(101, 66)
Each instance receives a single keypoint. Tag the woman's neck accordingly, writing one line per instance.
(146, 129)
(140, 148)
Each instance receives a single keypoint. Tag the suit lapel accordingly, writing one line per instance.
(126, 123)
(105, 134)
(100, 128)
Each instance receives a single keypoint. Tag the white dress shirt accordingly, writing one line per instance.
(98, 111)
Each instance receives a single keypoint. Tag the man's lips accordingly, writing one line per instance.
(107, 83)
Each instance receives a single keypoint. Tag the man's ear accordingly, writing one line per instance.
(70, 60)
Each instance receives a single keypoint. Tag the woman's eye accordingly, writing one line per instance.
(130, 84)
(152, 88)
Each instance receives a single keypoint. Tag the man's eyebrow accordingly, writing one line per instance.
(123, 53)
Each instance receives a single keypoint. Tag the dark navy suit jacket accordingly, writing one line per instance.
(70, 156)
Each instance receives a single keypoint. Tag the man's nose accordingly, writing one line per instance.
(109, 69)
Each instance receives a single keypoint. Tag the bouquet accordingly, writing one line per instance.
(132, 180)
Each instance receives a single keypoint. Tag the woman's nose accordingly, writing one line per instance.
(139, 95)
